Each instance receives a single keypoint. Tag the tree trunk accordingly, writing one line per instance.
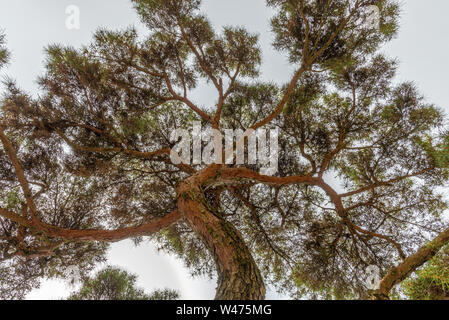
(238, 275)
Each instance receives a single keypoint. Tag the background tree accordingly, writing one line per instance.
(114, 283)
(361, 157)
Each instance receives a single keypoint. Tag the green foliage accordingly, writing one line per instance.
(12, 200)
(4, 54)
(324, 18)
(114, 283)
(432, 281)
(438, 152)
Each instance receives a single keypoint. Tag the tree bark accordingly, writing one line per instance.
(409, 265)
(238, 275)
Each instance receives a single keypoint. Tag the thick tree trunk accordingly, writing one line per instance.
(238, 275)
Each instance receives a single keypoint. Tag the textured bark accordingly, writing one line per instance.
(238, 275)
(95, 234)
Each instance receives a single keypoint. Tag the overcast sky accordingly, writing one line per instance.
(422, 48)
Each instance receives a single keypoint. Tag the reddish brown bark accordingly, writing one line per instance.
(413, 262)
(95, 234)
(238, 275)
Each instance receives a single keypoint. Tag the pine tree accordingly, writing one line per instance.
(88, 161)
(112, 283)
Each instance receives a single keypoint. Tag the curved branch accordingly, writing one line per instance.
(112, 235)
(134, 153)
(284, 100)
(95, 234)
(409, 265)
(385, 183)
(381, 236)
(12, 155)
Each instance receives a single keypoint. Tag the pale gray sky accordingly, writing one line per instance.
(422, 48)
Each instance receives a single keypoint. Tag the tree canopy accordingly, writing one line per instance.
(113, 283)
(361, 156)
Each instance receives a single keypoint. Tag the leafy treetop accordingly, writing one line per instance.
(112, 283)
